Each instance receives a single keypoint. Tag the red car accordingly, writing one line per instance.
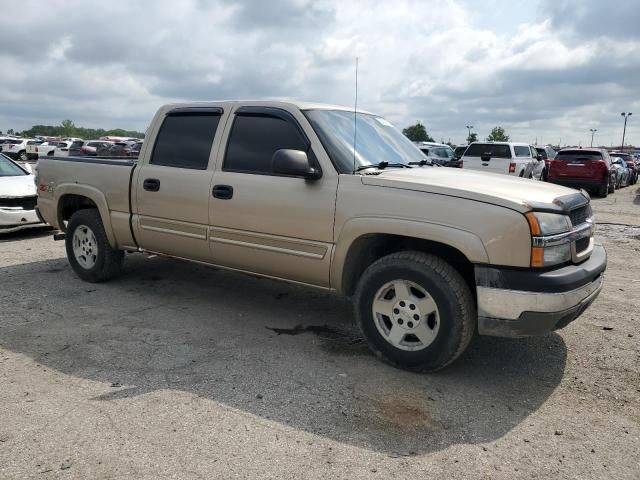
(632, 163)
(588, 168)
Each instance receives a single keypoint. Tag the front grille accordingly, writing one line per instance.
(579, 215)
(582, 244)
(26, 203)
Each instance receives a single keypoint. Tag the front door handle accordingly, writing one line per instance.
(151, 184)
(223, 192)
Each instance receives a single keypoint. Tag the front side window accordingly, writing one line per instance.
(185, 140)
(255, 138)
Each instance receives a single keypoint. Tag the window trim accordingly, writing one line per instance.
(269, 112)
(187, 112)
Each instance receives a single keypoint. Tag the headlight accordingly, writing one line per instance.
(548, 223)
(548, 245)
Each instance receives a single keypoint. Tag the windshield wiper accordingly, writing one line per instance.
(422, 163)
(383, 165)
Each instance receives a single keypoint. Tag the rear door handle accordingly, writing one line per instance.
(151, 184)
(223, 192)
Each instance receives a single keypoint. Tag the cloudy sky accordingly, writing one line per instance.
(549, 70)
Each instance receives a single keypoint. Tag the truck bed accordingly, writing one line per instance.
(107, 180)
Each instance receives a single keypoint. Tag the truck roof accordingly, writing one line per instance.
(268, 103)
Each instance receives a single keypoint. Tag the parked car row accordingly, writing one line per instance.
(593, 169)
(25, 149)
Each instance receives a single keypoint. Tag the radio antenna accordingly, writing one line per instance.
(355, 120)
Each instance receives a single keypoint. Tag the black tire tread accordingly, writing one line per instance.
(458, 286)
(113, 259)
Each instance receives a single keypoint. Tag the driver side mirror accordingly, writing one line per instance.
(294, 163)
(539, 157)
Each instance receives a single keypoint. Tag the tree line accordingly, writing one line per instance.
(68, 129)
(418, 133)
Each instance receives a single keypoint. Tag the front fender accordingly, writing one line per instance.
(93, 194)
(469, 244)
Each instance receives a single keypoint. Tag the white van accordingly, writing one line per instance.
(509, 158)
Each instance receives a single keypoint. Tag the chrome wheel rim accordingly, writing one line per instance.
(406, 315)
(85, 247)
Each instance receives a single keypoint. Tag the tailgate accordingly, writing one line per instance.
(492, 165)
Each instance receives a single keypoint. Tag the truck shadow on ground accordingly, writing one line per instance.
(227, 337)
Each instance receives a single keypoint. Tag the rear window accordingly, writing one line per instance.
(570, 155)
(521, 151)
(494, 151)
(543, 152)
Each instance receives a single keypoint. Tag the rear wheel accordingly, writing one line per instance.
(612, 186)
(88, 249)
(603, 191)
(22, 156)
(415, 311)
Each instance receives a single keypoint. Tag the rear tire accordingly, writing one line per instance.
(415, 311)
(612, 187)
(603, 191)
(88, 249)
(22, 156)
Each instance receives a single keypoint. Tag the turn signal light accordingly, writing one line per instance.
(537, 257)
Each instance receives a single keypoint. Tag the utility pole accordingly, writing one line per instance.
(624, 130)
(593, 131)
(469, 127)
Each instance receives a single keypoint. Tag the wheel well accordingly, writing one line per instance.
(70, 204)
(369, 248)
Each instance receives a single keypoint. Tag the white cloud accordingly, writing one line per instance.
(446, 63)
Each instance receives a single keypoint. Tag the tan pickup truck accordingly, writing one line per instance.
(429, 255)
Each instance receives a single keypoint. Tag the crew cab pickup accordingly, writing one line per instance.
(428, 255)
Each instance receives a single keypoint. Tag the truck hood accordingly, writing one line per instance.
(22, 186)
(511, 192)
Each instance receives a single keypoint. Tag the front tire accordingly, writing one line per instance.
(415, 311)
(88, 249)
(23, 157)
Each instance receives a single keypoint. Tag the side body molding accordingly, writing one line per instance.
(466, 242)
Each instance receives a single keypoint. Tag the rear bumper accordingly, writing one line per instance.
(520, 303)
(586, 183)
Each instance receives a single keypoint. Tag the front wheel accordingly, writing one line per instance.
(22, 156)
(415, 311)
(88, 249)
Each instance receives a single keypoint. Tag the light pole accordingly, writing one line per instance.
(593, 132)
(469, 127)
(624, 130)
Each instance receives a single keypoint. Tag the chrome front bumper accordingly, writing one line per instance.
(514, 303)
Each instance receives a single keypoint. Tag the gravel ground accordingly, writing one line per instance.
(181, 371)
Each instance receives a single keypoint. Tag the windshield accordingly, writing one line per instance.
(376, 139)
(10, 169)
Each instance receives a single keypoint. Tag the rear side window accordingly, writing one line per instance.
(570, 155)
(255, 138)
(521, 151)
(494, 151)
(76, 144)
(185, 140)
